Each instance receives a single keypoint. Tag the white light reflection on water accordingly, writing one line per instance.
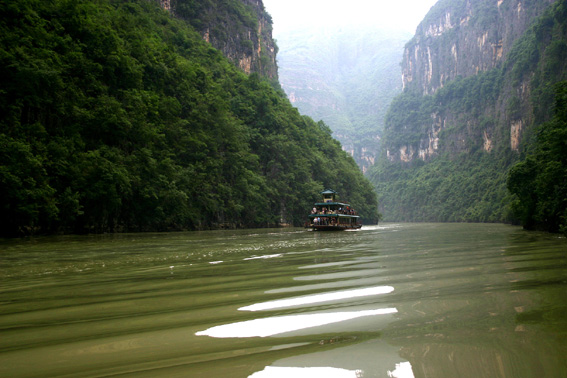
(310, 299)
(403, 370)
(308, 372)
(264, 257)
(281, 324)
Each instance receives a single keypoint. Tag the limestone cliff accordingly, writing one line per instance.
(241, 29)
(463, 38)
(462, 59)
(479, 79)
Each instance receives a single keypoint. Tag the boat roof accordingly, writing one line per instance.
(331, 203)
(334, 215)
(328, 191)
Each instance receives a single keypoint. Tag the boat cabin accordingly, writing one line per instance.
(328, 195)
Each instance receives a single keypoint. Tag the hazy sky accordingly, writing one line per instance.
(391, 14)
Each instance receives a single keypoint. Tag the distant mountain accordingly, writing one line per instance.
(346, 76)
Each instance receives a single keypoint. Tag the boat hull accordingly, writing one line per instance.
(340, 227)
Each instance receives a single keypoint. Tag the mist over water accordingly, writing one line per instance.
(395, 300)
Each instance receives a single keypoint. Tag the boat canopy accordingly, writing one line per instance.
(332, 204)
(335, 215)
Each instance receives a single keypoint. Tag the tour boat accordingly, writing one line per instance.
(330, 215)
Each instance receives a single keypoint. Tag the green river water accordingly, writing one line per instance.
(395, 300)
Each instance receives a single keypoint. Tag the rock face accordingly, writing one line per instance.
(470, 42)
(463, 38)
(241, 29)
(479, 79)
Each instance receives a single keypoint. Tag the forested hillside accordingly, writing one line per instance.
(449, 142)
(116, 116)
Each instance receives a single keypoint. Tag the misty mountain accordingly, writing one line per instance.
(346, 76)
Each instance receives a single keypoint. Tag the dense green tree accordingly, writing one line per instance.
(116, 116)
(539, 183)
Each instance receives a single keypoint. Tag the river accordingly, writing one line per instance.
(394, 300)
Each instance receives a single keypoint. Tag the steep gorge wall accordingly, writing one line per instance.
(241, 29)
(479, 81)
(463, 38)
(460, 58)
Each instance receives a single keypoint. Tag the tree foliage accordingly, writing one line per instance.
(457, 189)
(118, 117)
(539, 183)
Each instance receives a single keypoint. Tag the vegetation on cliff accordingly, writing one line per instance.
(464, 183)
(241, 29)
(466, 188)
(539, 183)
(118, 117)
(446, 155)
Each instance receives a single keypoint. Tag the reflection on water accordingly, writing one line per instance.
(403, 370)
(281, 324)
(305, 372)
(405, 301)
(264, 257)
(318, 298)
(371, 358)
